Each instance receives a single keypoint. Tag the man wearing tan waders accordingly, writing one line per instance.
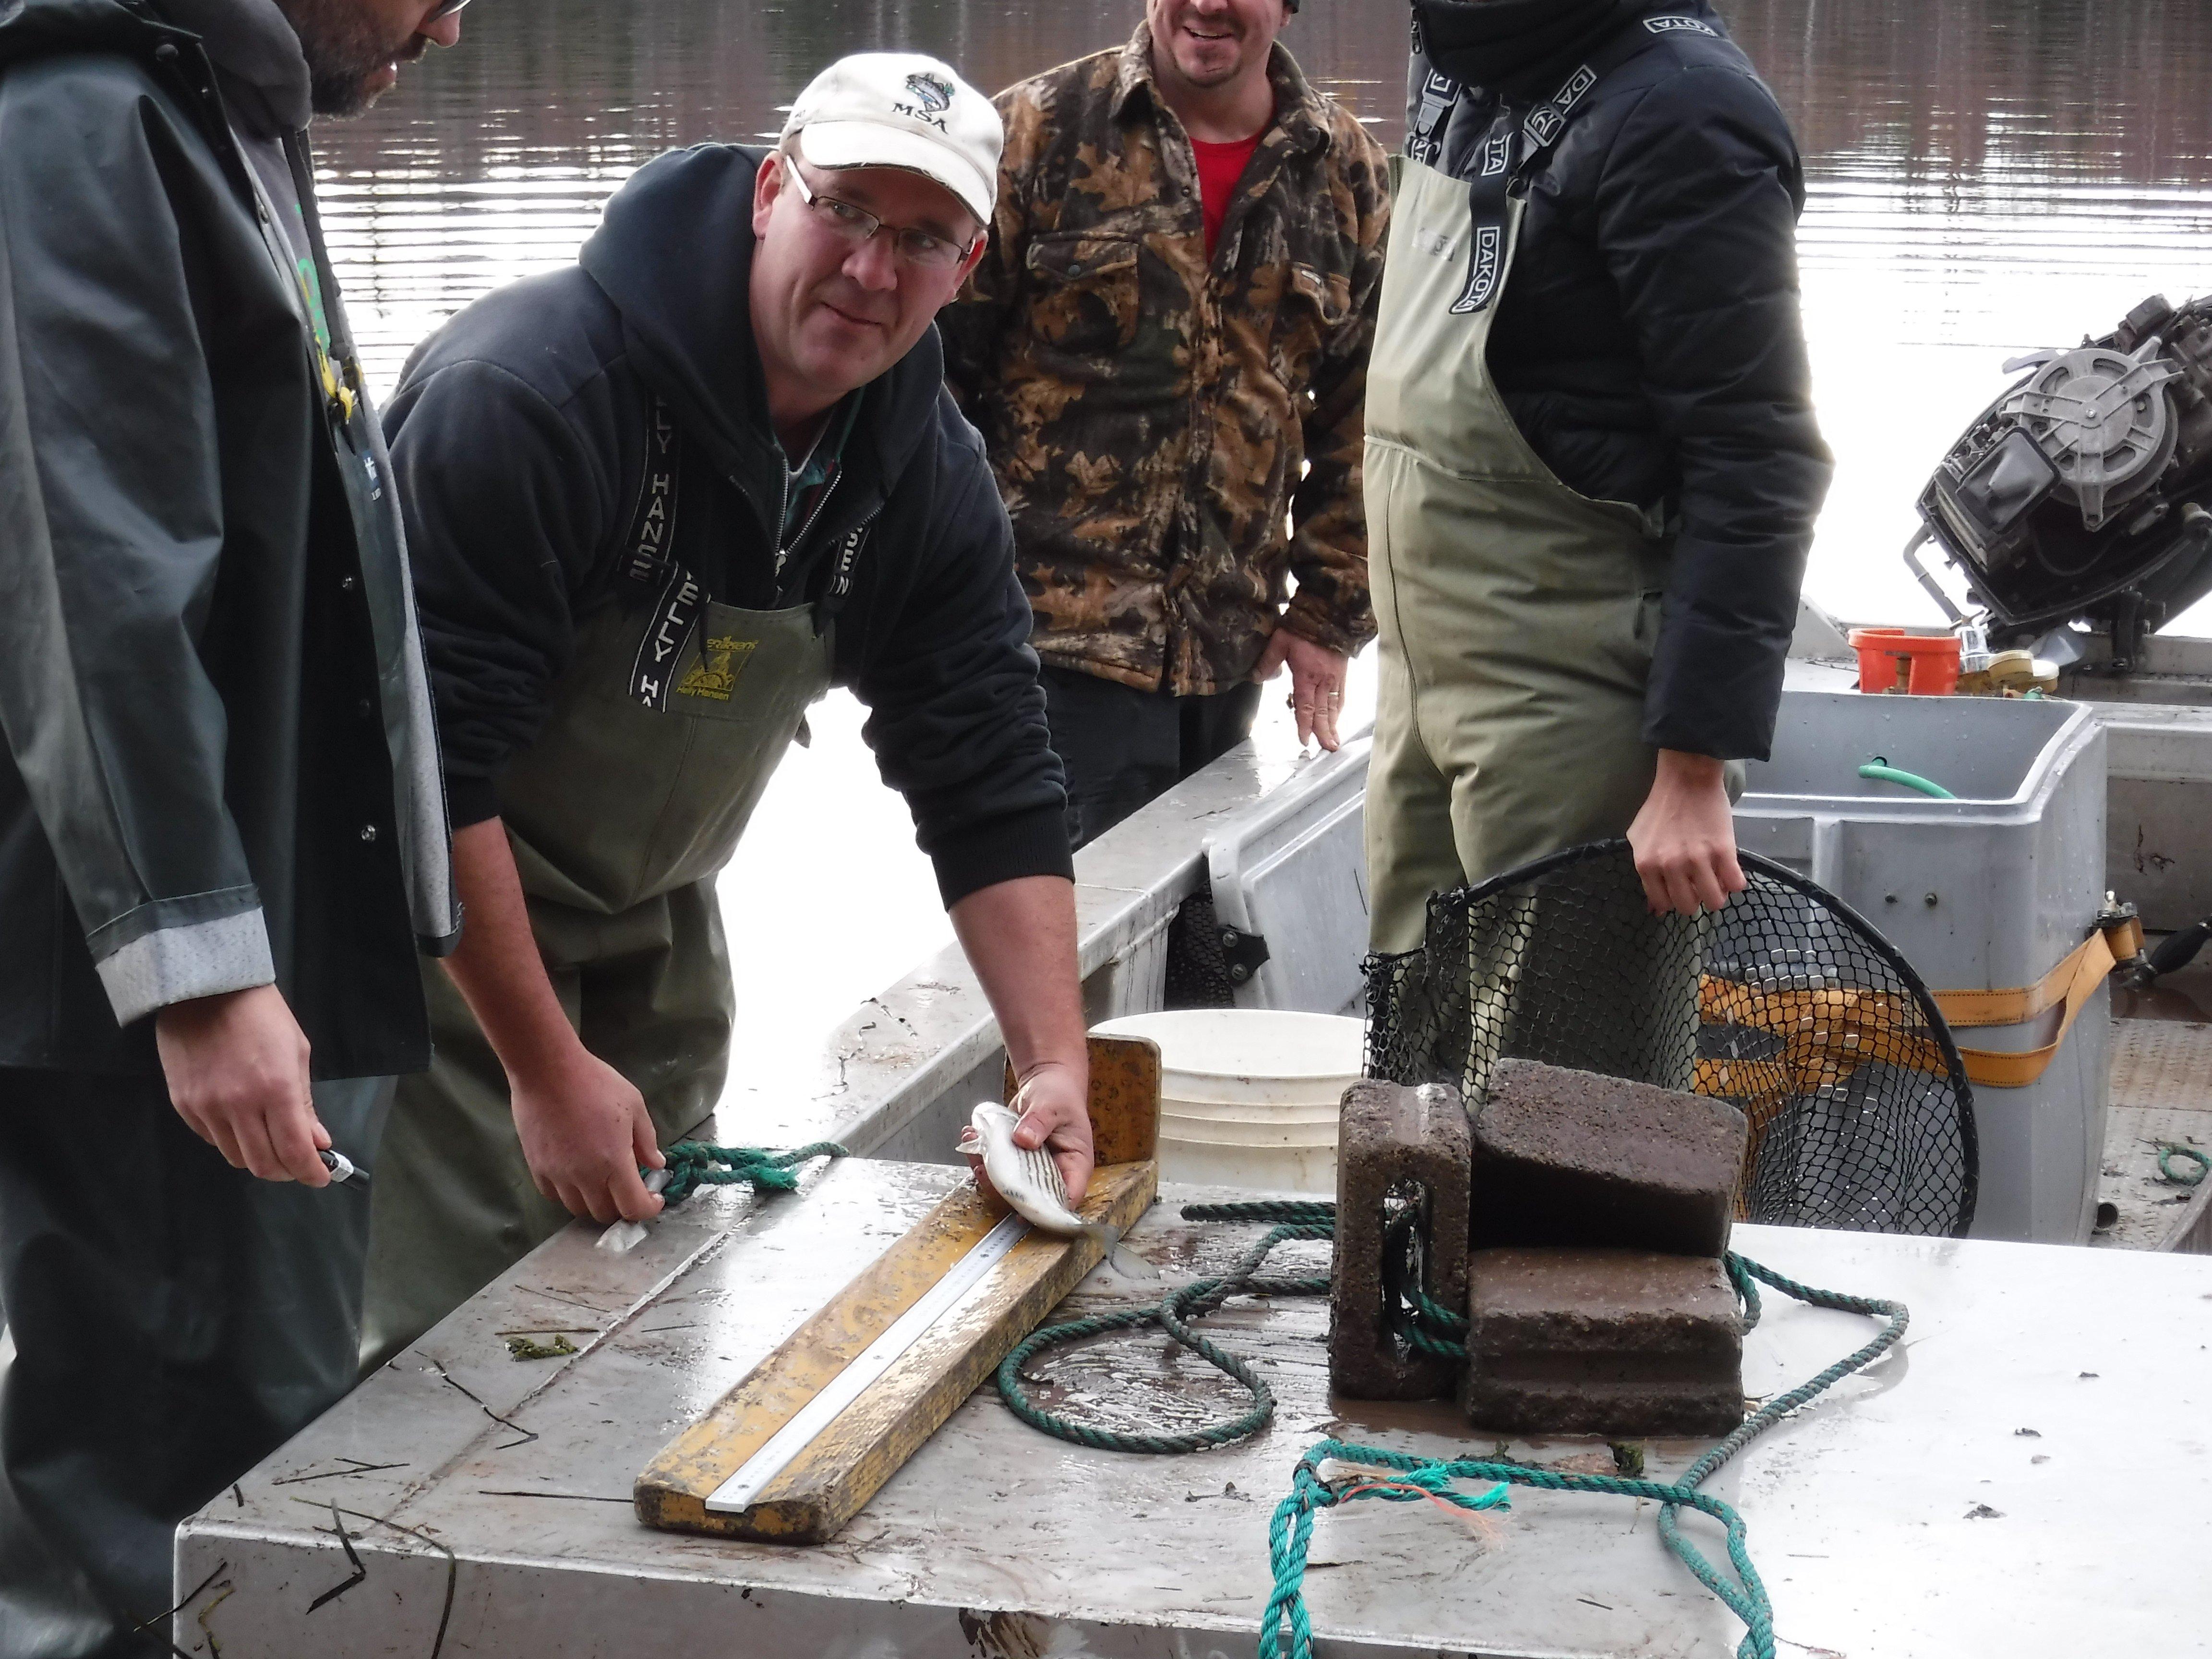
(1592, 464)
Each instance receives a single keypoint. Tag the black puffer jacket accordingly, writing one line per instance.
(1648, 342)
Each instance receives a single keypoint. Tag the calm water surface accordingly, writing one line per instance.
(1986, 176)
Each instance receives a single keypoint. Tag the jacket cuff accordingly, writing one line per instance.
(1715, 692)
(470, 800)
(175, 965)
(1310, 620)
(1031, 843)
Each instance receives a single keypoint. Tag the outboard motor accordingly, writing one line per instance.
(2082, 493)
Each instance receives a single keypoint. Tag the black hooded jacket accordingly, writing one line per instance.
(519, 435)
(1648, 342)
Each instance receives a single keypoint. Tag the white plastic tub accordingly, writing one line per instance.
(1249, 1096)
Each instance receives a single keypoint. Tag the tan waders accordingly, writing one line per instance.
(663, 733)
(1518, 617)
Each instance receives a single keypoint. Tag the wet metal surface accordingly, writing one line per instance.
(2161, 1098)
(2034, 1379)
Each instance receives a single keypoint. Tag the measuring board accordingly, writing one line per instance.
(798, 1448)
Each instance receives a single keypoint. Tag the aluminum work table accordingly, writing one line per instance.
(2025, 1476)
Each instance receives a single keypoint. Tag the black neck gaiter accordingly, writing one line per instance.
(1520, 48)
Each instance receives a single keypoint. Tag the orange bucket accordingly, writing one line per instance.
(1891, 659)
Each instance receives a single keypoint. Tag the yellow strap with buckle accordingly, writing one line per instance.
(1828, 1034)
(2071, 984)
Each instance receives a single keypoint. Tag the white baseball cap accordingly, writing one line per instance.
(901, 109)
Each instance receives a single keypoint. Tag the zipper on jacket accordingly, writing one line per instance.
(782, 515)
(785, 550)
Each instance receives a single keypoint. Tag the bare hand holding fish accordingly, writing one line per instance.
(1051, 1110)
(1029, 1180)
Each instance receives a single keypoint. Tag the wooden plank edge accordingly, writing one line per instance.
(700, 1459)
(812, 1501)
(832, 1482)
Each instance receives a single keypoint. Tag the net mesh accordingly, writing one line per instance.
(1787, 1003)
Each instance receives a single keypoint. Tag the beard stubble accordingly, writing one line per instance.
(345, 47)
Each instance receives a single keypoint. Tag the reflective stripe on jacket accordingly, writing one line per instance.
(218, 770)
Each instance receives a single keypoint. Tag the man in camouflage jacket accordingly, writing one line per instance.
(1172, 322)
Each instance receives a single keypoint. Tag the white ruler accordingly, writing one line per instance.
(742, 1489)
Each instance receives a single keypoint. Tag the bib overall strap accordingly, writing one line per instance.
(649, 566)
(839, 588)
(1509, 150)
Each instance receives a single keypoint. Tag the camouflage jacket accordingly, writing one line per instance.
(1150, 414)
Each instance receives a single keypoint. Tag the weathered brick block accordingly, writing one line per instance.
(1571, 1157)
(1390, 1136)
(1611, 1342)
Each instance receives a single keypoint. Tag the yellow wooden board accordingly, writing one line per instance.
(829, 1482)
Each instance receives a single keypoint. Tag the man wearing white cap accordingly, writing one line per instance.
(659, 504)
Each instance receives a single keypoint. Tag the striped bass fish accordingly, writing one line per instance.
(1029, 1180)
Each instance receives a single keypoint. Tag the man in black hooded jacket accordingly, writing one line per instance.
(222, 832)
(1593, 467)
(659, 502)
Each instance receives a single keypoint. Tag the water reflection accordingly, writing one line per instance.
(1986, 176)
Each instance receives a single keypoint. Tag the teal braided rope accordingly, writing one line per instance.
(2167, 1149)
(693, 1164)
(1290, 1530)
(1199, 1297)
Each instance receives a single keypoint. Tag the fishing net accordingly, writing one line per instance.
(1787, 1003)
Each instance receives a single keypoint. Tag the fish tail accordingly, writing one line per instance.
(1126, 1262)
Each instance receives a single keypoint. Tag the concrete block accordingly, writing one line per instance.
(1571, 1157)
(1389, 1136)
(1620, 1343)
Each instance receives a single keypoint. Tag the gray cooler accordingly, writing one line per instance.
(1984, 892)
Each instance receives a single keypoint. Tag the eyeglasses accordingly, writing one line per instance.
(442, 10)
(922, 248)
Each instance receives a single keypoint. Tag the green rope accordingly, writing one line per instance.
(1298, 1212)
(1290, 1532)
(1193, 1300)
(1429, 1328)
(1436, 1330)
(693, 1164)
(2167, 1149)
(1429, 1318)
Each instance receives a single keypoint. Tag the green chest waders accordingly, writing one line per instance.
(1516, 617)
(662, 736)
